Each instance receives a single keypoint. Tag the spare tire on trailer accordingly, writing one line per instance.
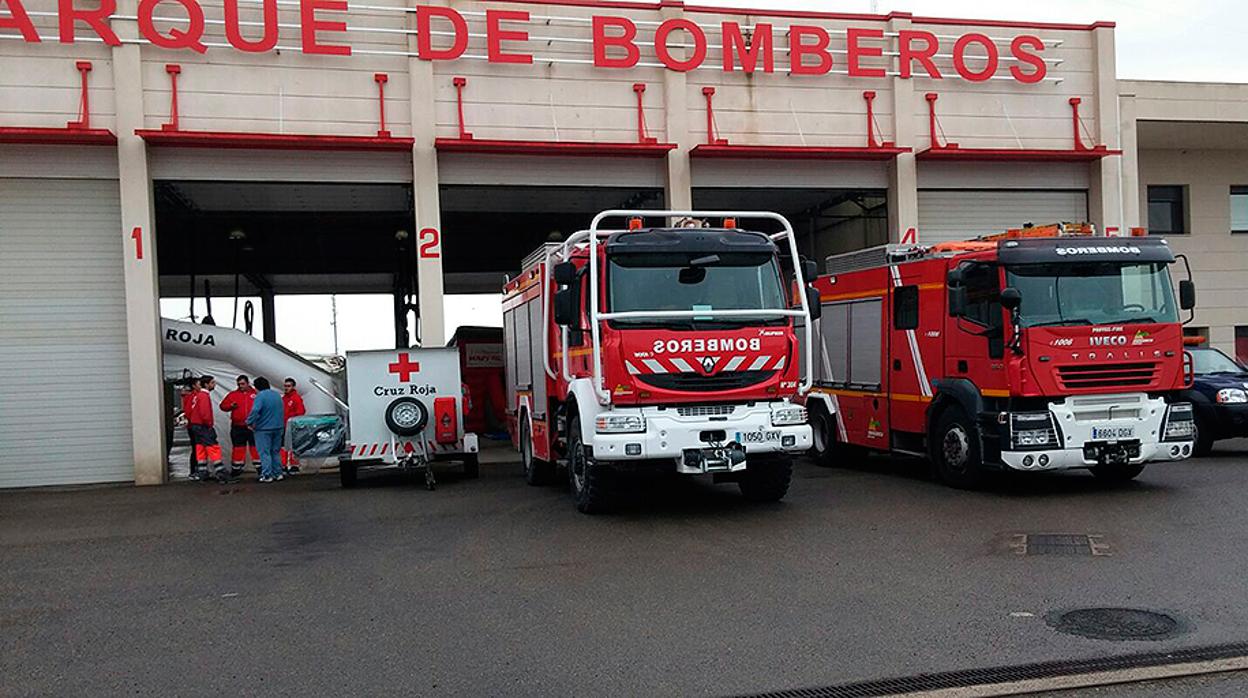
(407, 416)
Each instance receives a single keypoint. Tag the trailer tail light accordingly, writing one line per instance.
(634, 224)
(730, 223)
(445, 420)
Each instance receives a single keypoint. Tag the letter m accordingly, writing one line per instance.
(736, 50)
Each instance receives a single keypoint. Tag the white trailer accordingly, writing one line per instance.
(406, 409)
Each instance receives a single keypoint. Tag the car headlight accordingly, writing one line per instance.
(792, 414)
(619, 423)
(1231, 396)
(1180, 423)
(1032, 430)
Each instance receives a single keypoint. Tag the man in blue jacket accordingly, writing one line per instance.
(267, 420)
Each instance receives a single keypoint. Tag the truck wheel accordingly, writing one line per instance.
(537, 472)
(348, 474)
(1117, 473)
(589, 479)
(824, 450)
(955, 450)
(766, 479)
(1203, 437)
(472, 466)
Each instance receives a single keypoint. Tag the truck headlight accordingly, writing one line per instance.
(790, 414)
(1231, 396)
(619, 423)
(1180, 423)
(1032, 430)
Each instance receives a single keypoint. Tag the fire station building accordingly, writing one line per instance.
(423, 149)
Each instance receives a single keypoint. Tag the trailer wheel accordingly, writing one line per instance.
(1118, 473)
(348, 474)
(537, 472)
(955, 450)
(407, 416)
(589, 480)
(472, 466)
(766, 479)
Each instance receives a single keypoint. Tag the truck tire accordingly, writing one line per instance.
(766, 479)
(1124, 472)
(472, 466)
(537, 472)
(588, 479)
(348, 474)
(406, 416)
(1203, 445)
(824, 449)
(955, 450)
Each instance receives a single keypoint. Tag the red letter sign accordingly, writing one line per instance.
(798, 49)
(235, 35)
(1019, 47)
(311, 25)
(96, 19)
(496, 35)
(19, 21)
(694, 59)
(424, 41)
(176, 38)
(924, 56)
(959, 57)
(857, 51)
(602, 42)
(735, 49)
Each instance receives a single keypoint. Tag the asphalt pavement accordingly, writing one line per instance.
(492, 587)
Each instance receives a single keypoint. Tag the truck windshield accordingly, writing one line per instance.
(726, 281)
(1093, 293)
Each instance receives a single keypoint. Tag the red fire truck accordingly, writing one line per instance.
(1039, 349)
(671, 347)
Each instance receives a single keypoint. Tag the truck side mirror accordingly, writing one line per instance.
(565, 306)
(565, 273)
(810, 270)
(814, 302)
(1011, 298)
(1187, 294)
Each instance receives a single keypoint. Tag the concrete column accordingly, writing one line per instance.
(1131, 217)
(429, 286)
(678, 191)
(147, 400)
(903, 175)
(1105, 204)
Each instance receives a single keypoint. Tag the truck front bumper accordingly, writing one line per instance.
(671, 432)
(1100, 430)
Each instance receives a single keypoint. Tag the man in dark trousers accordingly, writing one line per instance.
(190, 388)
(267, 422)
(238, 404)
(207, 448)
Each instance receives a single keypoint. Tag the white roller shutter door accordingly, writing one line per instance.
(967, 213)
(64, 366)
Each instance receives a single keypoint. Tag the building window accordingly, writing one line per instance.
(1239, 209)
(1166, 213)
(1201, 332)
(1241, 344)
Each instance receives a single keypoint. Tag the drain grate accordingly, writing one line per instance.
(1070, 544)
(1115, 624)
(1018, 672)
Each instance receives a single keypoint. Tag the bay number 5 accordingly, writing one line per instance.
(429, 242)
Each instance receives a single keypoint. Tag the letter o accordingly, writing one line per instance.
(959, 57)
(699, 44)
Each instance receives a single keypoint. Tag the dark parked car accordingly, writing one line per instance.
(1220, 395)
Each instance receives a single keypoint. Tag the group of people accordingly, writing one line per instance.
(258, 417)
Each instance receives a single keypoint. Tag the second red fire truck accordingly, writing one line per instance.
(672, 347)
(1041, 349)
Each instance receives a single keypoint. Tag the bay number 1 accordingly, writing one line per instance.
(137, 236)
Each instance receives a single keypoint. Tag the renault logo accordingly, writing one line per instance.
(708, 364)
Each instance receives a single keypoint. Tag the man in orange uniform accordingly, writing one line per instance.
(207, 449)
(292, 406)
(189, 389)
(238, 404)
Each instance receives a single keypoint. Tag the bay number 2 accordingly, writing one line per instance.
(429, 242)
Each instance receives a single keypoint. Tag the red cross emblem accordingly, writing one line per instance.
(405, 367)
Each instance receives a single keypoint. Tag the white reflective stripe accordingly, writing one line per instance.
(734, 362)
(632, 370)
(759, 363)
(682, 365)
(840, 422)
(924, 386)
(654, 366)
(780, 364)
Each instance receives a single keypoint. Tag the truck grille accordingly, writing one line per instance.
(706, 410)
(1123, 375)
(693, 382)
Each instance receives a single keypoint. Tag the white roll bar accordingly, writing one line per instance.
(595, 232)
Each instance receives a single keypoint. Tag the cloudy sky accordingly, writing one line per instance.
(1198, 40)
